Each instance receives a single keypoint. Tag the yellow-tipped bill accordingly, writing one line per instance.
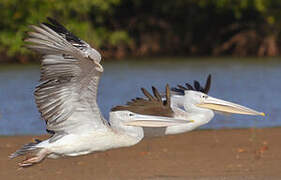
(228, 107)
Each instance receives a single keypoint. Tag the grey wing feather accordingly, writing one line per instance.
(70, 73)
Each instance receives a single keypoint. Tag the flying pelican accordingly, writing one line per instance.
(193, 102)
(190, 103)
(66, 99)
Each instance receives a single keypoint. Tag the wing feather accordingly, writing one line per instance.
(179, 90)
(70, 73)
(153, 105)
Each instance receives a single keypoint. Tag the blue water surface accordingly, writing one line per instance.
(254, 83)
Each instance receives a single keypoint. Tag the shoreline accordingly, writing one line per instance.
(201, 154)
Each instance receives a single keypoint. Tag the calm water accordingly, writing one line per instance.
(250, 83)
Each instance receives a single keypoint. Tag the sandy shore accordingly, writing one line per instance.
(206, 154)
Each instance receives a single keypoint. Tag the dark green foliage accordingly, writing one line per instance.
(120, 28)
(16, 15)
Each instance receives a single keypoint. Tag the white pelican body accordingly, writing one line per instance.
(80, 144)
(66, 99)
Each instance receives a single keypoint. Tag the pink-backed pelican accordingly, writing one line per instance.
(66, 99)
(193, 102)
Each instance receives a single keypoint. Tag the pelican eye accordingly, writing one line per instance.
(131, 114)
(205, 96)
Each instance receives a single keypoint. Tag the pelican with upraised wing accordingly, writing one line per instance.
(67, 101)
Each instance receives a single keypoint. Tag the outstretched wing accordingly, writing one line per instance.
(197, 87)
(70, 73)
(152, 105)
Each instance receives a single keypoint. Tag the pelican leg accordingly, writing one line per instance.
(29, 161)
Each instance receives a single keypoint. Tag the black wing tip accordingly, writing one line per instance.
(197, 87)
(52, 20)
(208, 84)
(59, 28)
(177, 91)
(53, 24)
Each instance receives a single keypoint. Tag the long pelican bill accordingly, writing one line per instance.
(155, 121)
(228, 107)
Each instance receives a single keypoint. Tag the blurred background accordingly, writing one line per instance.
(122, 28)
(151, 42)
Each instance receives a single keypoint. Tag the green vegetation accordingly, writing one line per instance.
(121, 28)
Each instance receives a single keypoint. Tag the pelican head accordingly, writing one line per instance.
(196, 98)
(200, 100)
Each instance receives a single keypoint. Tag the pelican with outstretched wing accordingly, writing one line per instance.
(66, 99)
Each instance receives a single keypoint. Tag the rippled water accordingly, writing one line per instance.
(252, 83)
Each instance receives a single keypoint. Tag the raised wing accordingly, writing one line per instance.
(70, 73)
(152, 105)
(197, 87)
